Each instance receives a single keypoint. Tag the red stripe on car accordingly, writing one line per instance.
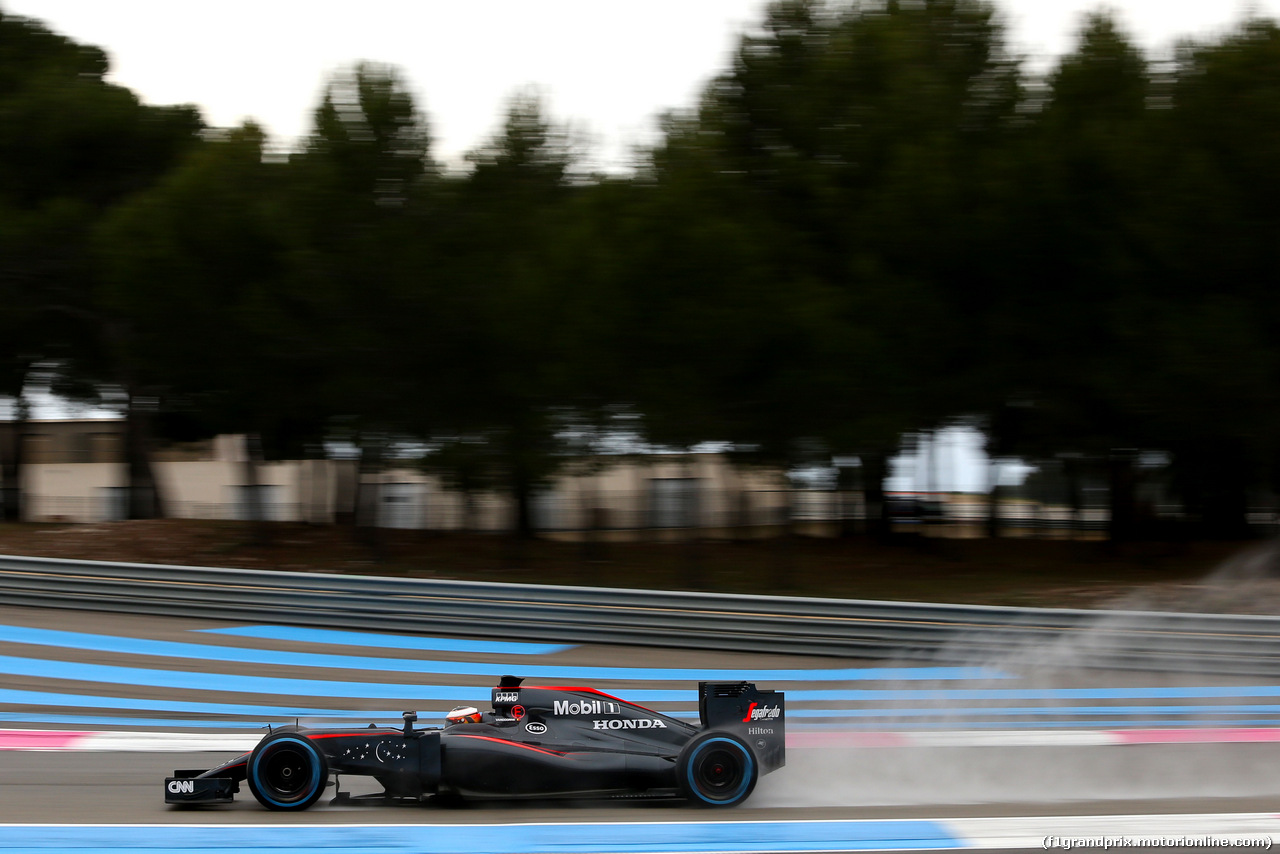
(513, 744)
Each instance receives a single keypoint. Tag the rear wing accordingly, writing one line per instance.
(756, 716)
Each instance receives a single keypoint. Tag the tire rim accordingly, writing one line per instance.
(285, 771)
(719, 773)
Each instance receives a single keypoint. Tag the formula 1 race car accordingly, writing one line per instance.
(536, 742)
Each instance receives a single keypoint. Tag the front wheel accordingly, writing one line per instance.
(286, 771)
(717, 769)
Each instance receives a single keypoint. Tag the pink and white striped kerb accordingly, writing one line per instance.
(1031, 738)
(126, 742)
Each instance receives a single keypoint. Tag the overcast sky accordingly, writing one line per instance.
(608, 67)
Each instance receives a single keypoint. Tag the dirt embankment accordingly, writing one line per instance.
(1223, 577)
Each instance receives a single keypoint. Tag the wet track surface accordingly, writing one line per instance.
(124, 788)
(89, 672)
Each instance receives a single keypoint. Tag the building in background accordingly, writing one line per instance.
(74, 471)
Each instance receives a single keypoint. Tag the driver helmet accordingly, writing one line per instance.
(463, 715)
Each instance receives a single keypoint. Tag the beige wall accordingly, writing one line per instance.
(74, 492)
(211, 489)
(610, 493)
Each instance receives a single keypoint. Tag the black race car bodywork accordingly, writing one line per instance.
(537, 741)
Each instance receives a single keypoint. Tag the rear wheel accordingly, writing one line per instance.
(717, 770)
(286, 771)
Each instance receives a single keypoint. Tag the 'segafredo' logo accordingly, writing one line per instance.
(756, 712)
(586, 707)
(182, 787)
(629, 723)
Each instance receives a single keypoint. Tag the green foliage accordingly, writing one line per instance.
(71, 146)
(873, 223)
(511, 325)
(199, 265)
(845, 150)
(362, 211)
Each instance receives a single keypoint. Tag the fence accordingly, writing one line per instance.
(963, 634)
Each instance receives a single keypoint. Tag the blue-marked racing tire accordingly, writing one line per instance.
(286, 771)
(717, 769)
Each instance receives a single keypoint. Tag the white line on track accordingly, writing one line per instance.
(1212, 830)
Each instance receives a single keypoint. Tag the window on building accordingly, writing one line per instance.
(673, 502)
(271, 496)
(547, 509)
(402, 505)
(113, 503)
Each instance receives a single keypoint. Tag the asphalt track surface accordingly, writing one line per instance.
(71, 686)
(125, 788)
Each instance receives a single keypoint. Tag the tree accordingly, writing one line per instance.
(208, 321)
(844, 163)
(1147, 243)
(508, 389)
(71, 146)
(1212, 358)
(363, 199)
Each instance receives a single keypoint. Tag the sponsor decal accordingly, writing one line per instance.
(389, 751)
(517, 712)
(759, 730)
(756, 712)
(586, 707)
(182, 787)
(629, 723)
(506, 696)
(761, 744)
(535, 727)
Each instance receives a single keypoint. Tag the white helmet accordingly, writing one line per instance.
(462, 715)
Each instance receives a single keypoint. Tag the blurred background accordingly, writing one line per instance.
(882, 277)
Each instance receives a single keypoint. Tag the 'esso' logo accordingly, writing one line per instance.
(517, 712)
(535, 727)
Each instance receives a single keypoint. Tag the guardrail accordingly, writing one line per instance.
(954, 634)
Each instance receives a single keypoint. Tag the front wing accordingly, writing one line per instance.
(189, 788)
